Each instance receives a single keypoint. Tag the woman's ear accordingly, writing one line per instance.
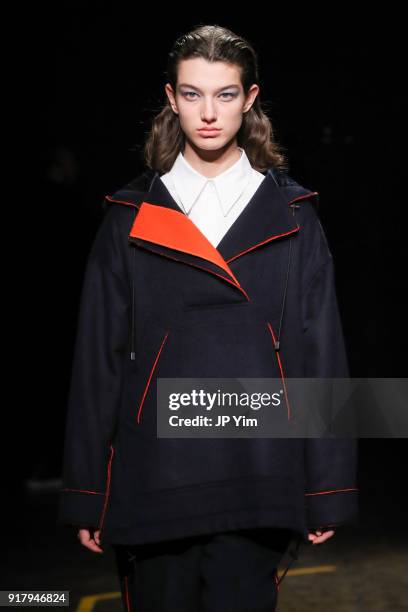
(250, 99)
(170, 94)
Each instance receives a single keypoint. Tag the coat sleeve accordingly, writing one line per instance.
(330, 463)
(96, 378)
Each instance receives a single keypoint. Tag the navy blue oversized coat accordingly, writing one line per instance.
(158, 300)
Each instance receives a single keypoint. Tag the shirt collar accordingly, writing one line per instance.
(229, 185)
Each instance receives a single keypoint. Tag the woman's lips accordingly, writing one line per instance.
(208, 132)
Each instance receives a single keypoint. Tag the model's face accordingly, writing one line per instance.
(209, 95)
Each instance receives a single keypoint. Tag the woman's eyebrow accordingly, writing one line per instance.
(198, 89)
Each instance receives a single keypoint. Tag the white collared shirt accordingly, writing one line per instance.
(213, 204)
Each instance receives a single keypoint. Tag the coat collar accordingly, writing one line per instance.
(164, 228)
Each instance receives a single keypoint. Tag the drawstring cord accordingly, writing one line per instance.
(294, 551)
(292, 206)
(277, 341)
(132, 335)
(132, 331)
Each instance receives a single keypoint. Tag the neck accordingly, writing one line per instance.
(211, 163)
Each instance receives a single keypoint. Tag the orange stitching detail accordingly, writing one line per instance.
(178, 232)
(263, 242)
(107, 487)
(151, 374)
(333, 491)
(201, 268)
(84, 491)
(122, 202)
(304, 197)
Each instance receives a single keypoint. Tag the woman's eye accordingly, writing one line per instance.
(193, 93)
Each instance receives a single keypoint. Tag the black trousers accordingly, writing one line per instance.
(233, 571)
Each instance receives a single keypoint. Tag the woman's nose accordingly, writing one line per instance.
(208, 110)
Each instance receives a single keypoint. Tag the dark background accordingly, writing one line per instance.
(92, 80)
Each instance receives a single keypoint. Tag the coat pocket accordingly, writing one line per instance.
(220, 341)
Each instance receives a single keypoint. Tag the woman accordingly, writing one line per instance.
(211, 264)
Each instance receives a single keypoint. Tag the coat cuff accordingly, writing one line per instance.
(81, 508)
(336, 507)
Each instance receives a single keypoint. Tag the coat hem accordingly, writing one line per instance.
(145, 533)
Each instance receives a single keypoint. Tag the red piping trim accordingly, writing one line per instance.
(127, 594)
(304, 196)
(281, 369)
(333, 491)
(110, 199)
(176, 232)
(263, 242)
(276, 580)
(84, 491)
(151, 374)
(200, 267)
(121, 202)
(108, 479)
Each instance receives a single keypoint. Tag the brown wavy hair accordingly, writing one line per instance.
(256, 135)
